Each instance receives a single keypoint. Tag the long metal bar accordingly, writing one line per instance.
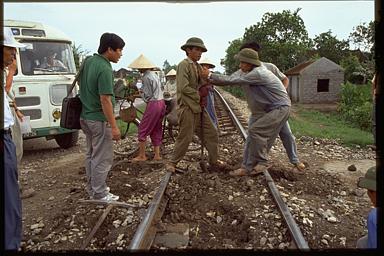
(96, 227)
(142, 239)
(292, 226)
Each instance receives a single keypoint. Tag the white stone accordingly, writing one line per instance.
(263, 240)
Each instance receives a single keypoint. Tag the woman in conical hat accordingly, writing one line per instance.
(170, 85)
(152, 94)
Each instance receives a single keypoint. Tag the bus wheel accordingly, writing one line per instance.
(67, 140)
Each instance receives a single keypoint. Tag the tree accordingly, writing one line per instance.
(363, 37)
(229, 62)
(167, 67)
(78, 54)
(352, 68)
(282, 36)
(330, 47)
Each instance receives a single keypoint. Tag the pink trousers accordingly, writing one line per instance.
(151, 123)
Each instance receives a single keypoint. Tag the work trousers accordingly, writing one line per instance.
(98, 157)
(12, 201)
(289, 143)
(285, 134)
(262, 132)
(189, 124)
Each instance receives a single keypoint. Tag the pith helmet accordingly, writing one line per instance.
(249, 56)
(142, 63)
(369, 180)
(194, 41)
(206, 61)
(171, 72)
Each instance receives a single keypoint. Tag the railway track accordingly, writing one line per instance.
(208, 210)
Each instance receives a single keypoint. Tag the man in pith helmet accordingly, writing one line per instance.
(188, 82)
(266, 91)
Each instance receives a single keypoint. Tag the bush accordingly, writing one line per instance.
(236, 91)
(356, 105)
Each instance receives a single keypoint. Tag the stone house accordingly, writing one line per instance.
(315, 81)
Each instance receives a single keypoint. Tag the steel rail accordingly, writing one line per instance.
(294, 229)
(145, 233)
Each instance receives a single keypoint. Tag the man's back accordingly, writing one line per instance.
(96, 79)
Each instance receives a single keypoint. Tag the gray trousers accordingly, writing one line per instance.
(262, 132)
(289, 143)
(99, 156)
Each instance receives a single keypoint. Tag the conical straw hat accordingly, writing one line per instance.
(171, 72)
(208, 62)
(142, 63)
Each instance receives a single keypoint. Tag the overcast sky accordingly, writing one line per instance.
(158, 29)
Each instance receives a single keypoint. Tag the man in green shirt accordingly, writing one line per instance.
(97, 119)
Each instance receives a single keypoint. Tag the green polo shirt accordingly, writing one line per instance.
(96, 79)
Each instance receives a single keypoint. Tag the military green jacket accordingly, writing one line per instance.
(187, 85)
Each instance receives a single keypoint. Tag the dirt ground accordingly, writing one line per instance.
(325, 202)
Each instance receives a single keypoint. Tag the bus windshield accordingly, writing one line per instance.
(47, 58)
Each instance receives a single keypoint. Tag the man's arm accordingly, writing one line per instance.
(276, 71)
(237, 78)
(11, 72)
(106, 104)
(285, 82)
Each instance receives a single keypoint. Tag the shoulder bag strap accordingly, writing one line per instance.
(77, 76)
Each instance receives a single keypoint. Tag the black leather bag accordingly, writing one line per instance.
(71, 106)
(70, 112)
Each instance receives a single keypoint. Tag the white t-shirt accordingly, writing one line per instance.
(8, 117)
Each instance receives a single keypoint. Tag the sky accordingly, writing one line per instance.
(158, 29)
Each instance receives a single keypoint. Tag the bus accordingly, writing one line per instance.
(45, 71)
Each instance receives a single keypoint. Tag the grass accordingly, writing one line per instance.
(327, 125)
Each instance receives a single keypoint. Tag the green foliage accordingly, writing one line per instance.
(78, 54)
(235, 90)
(282, 36)
(167, 67)
(356, 105)
(351, 66)
(229, 62)
(363, 37)
(327, 125)
(330, 47)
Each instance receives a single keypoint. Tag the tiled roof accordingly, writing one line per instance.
(298, 68)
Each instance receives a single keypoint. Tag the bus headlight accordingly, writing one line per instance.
(56, 113)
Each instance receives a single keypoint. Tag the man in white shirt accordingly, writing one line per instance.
(12, 201)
